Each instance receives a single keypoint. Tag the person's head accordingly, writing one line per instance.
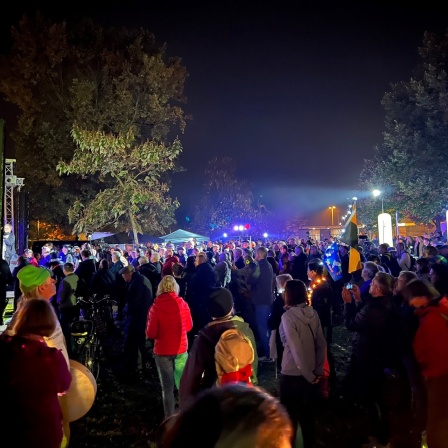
(85, 254)
(438, 274)
(422, 265)
(261, 253)
(382, 285)
(430, 251)
(68, 268)
(103, 265)
(238, 253)
(201, 258)
(35, 317)
(36, 283)
(190, 264)
(295, 293)
(343, 250)
(281, 280)
(315, 269)
(299, 250)
(7, 228)
(220, 303)
(127, 272)
(420, 293)
(178, 270)
(181, 250)
(369, 270)
(404, 277)
(383, 248)
(142, 260)
(313, 249)
(155, 257)
(237, 415)
(168, 284)
(400, 247)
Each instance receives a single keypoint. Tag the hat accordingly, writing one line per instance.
(31, 277)
(127, 269)
(180, 248)
(220, 302)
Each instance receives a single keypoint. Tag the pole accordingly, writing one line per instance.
(396, 222)
(382, 205)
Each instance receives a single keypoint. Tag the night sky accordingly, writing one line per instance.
(290, 91)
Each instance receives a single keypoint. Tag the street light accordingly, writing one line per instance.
(377, 193)
(332, 213)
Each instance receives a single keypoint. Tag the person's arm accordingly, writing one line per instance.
(152, 324)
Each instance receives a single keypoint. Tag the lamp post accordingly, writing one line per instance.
(377, 193)
(332, 214)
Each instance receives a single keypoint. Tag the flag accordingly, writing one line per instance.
(332, 262)
(349, 236)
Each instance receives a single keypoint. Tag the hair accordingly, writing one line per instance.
(142, 260)
(104, 264)
(372, 268)
(189, 265)
(262, 251)
(237, 415)
(115, 256)
(420, 288)
(385, 283)
(431, 251)
(69, 267)
(384, 246)
(202, 257)
(316, 265)
(408, 275)
(35, 317)
(295, 293)
(441, 282)
(86, 253)
(424, 265)
(178, 269)
(155, 256)
(168, 284)
(281, 280)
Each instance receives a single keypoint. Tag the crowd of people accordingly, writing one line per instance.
(283, 299)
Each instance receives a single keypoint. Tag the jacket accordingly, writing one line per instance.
(66, 296)
(304, 343)
(262, 284)
(169, 321)
(430, 342)
(200, 371)
(138, 300)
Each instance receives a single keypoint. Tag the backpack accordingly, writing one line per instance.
(234, 356)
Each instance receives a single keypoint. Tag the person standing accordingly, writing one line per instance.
(67, 305)
(9, 241)
(262, 288)
(32, 376)
(169, 321)
(6, 280)
(138, 299)
(22, 261)
(303, 359)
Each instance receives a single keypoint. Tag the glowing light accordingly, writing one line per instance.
(235, 228)
(385, 229)
(265, 235)
(376, 192)
(241, 228)
(224, 235)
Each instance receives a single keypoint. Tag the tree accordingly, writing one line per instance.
(134, 197)
(410, 165)
(84, 77)
(226, 200)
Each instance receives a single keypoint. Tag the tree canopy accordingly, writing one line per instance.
(409, 167)
(80, 85)
(226, 200)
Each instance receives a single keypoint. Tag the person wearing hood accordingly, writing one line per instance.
(200, 370)
(431, 352)
(303, 359)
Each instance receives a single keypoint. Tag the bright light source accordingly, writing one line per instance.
(376, 192)
(354, 198)
(241, 228)
(235, 228)
(224, 235)
(265, 235)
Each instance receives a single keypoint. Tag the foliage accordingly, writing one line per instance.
(227, 200)
(134, 195)
(409, 167)
(102, 80)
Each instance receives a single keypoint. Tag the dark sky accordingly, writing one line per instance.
(290, 91)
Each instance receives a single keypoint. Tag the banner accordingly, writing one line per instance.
(332, 261)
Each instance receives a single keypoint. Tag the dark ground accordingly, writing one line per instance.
(128, 413)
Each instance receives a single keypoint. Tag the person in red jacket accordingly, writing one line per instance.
(169, 321)
(431, 351)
